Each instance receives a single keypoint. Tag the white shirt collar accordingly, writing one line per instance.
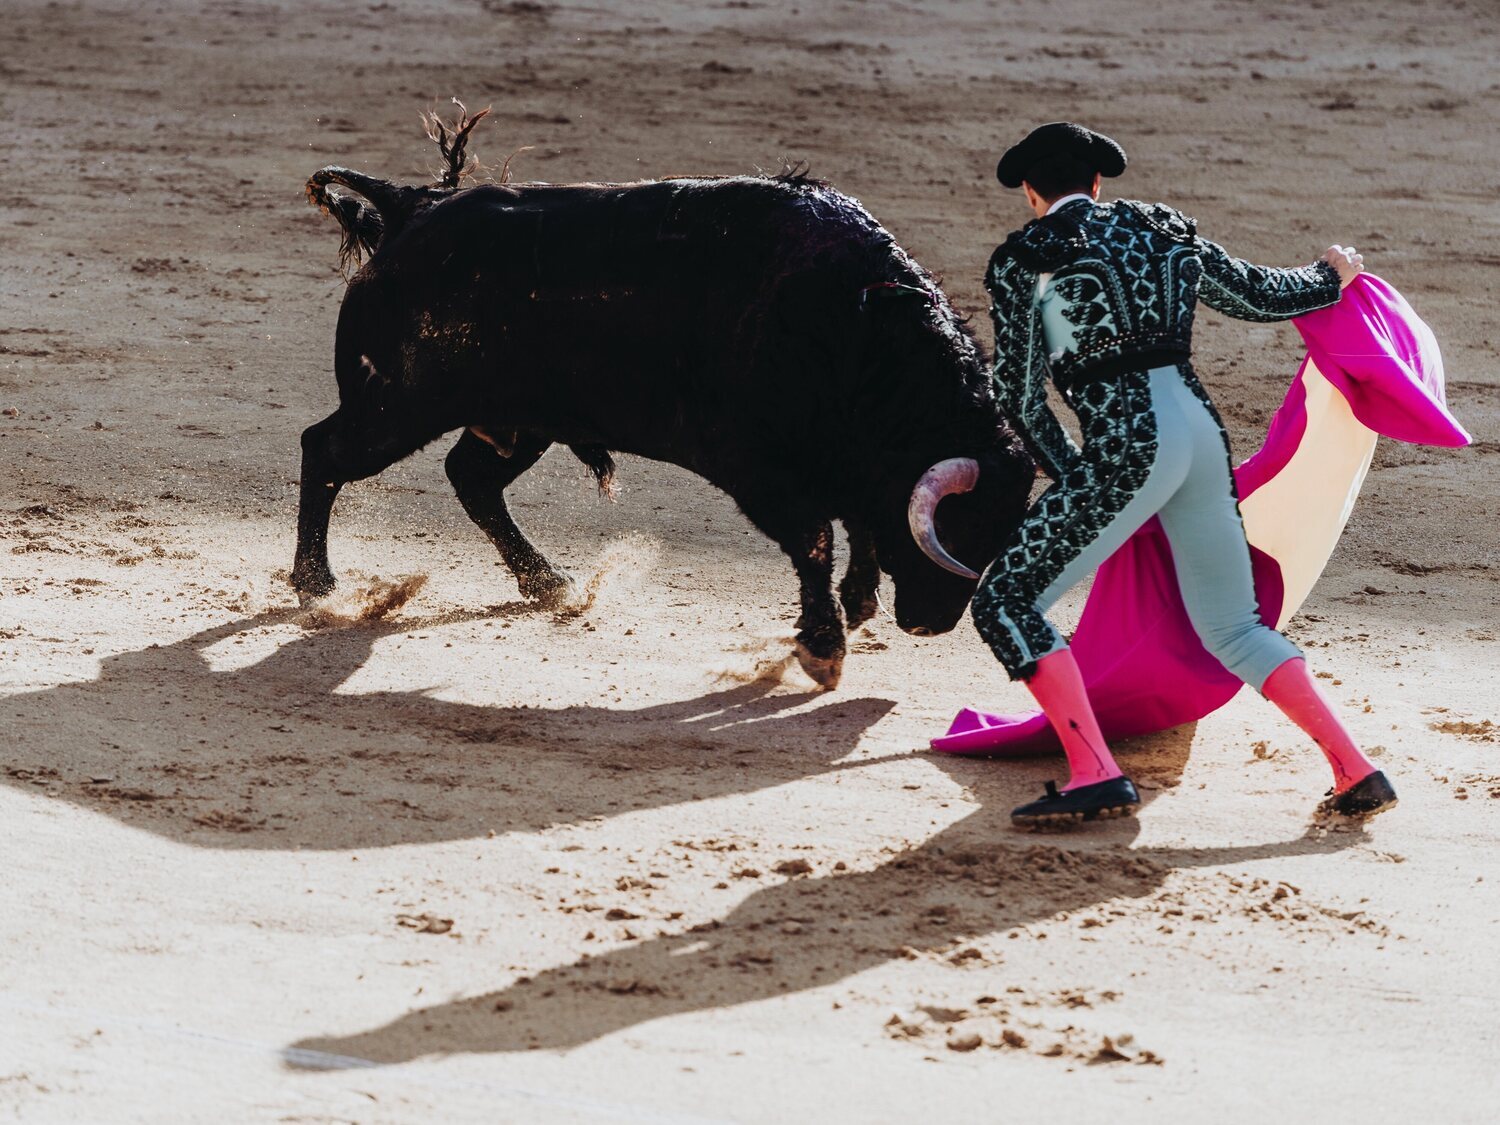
(1065, 200)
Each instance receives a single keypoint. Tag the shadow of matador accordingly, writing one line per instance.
(812, 932)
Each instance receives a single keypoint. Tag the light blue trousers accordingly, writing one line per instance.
(1187, 484)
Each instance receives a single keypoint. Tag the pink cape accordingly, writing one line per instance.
(1143, 664)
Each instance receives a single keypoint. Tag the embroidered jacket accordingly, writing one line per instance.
(1121, 283)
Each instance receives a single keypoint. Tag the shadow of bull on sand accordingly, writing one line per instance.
(273, 756)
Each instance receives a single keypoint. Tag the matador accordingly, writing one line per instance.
(1098, 299)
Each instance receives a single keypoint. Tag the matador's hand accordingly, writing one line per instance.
(1346, 260)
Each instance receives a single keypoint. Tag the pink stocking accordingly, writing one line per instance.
(1292, 689)
(1058, 687)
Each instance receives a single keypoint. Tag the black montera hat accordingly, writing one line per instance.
(1060, 138)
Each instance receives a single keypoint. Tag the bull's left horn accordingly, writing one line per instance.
(957, 474)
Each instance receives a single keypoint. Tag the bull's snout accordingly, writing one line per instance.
(929, 620)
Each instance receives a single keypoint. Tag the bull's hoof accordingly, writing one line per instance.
(311, 586)
(858, 609)
(824, 670)
(821, 654)
(550, 589)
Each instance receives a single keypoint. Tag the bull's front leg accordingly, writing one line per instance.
(820, 631)
(861, 581)
(808, 542)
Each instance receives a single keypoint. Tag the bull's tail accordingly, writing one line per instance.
(597, 460)
(391, 206)
(363, 227)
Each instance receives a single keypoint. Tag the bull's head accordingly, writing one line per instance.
(953, 523)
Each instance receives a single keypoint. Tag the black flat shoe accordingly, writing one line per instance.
(1373, 794)
(1102, 800)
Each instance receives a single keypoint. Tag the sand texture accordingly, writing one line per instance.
(427, 852)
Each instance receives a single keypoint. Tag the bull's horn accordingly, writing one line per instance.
(956, 474)
(944, 479)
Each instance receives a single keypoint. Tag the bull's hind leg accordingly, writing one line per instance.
(480, 472)
(312, 577)
(335, 451)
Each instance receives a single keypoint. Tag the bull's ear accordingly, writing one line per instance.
(1010, 456)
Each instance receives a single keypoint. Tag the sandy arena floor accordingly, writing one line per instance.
(470, 862)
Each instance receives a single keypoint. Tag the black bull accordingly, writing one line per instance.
(765, 333)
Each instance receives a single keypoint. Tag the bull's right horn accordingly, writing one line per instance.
(956, 474)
